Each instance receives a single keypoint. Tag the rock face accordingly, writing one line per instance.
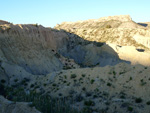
(30, 47)
(7, 106)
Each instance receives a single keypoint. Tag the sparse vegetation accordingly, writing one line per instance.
(73, 76)
(83, 88)
(32, 85)
(114, 72)
(148, 103)
(3, 81)
(130, 108)
(43, 103)
(109, 84)
(138, 100)
(36, 25)
(108, 26)
(83, 75)
(16, 80)
(92, 81)
(142, 82)
(89, 103)
(130, 78)
(54, 84)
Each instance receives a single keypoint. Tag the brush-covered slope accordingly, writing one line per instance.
(100, 89)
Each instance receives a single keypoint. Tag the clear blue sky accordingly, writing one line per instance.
(51, 12)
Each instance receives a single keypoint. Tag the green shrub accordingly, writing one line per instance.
(87, 110)
(16, 80)
(138, 100)
(73, 76)
(108, 84)
(83, 88)
(114, 72)
(108, 26)
(54, 84)
(83, 75)
(89, 103)
(92, 81)
(32, 85)
(142, 82)
(3, 81)
(130, 108)
(148, 103)
(65, 76)
(130, 78)
(65, 81)
(43, 103)
(44, 84)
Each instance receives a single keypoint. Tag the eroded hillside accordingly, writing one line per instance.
(33, 49)
(90, 66)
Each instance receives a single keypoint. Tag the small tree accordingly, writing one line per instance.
(108, 26)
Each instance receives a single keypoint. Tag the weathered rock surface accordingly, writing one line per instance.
(31, 47)
(7, 106)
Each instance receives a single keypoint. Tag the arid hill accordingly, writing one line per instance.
(93, 66)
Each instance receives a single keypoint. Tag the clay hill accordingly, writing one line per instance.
(93, 66)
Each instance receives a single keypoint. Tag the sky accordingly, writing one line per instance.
(51, 12)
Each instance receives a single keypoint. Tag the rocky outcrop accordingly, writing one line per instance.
(7, 106)
(31, 47)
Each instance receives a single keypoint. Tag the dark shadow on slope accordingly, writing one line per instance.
(143, 24)
(140, 50)
(89, 53)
